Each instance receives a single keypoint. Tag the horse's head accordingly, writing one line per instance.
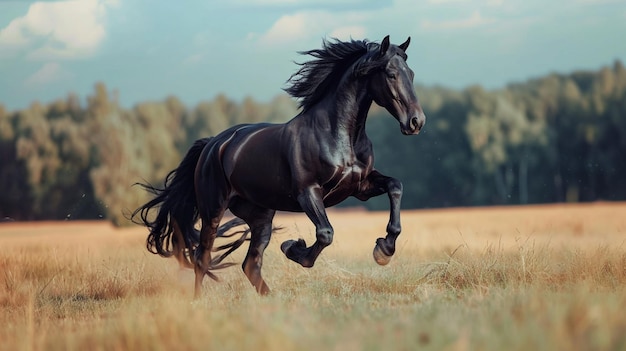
(391, 86)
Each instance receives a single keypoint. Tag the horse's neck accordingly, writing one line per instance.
(348, 111)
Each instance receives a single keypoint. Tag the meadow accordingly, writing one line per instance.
(502, 278)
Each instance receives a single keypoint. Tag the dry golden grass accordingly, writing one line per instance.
(518, 278)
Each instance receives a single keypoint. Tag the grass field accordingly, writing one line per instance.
(517, 278)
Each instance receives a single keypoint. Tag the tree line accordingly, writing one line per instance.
(558, 138)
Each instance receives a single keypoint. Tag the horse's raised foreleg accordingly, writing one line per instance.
(378, 184)
(260, 222)
(312, 204)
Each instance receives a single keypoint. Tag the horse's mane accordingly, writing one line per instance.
(315, 78)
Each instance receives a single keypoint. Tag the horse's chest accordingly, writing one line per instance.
(344, 182)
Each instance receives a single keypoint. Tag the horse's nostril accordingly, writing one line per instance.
(414, 123)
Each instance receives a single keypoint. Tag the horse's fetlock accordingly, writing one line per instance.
(394, 229)
(325, 236)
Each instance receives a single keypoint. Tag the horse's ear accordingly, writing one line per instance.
(405, 45)
(384, 46)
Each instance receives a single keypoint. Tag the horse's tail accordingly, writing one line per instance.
(172, 231)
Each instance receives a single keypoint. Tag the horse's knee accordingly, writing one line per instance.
(394, 187)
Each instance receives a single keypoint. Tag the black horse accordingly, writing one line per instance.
(316, 160)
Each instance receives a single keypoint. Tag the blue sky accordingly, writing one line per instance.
(147, 50)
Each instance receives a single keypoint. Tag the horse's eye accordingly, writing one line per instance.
(391, 75)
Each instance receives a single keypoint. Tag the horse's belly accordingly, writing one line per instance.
(267, 189)
(275, 191)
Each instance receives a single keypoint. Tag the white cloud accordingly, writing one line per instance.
(309, 25)
(476, 2)
(287, 29)
(597, 2)
(48, 73)
(475, 20)
(58, 30)
(347, 32)
(446, 1)
(402, 18)
(263, 2)
(301, 3)
(194, 59)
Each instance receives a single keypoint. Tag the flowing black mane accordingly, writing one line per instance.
(315, 78)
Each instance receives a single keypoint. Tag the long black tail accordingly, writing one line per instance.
(172, 231)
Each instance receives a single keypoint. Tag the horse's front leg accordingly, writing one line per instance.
(312, 204)
(378, 184)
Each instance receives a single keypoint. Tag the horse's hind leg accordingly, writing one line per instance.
(260, 222)
(212, 194)
(179, 247)
(203, 252)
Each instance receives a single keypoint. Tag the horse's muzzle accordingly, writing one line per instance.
(414, 125)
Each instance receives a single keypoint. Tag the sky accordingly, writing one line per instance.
(146, 50)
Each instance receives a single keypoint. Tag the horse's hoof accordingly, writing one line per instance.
(380, 257)
(286, 245)
(298, 245)
(297, 251)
